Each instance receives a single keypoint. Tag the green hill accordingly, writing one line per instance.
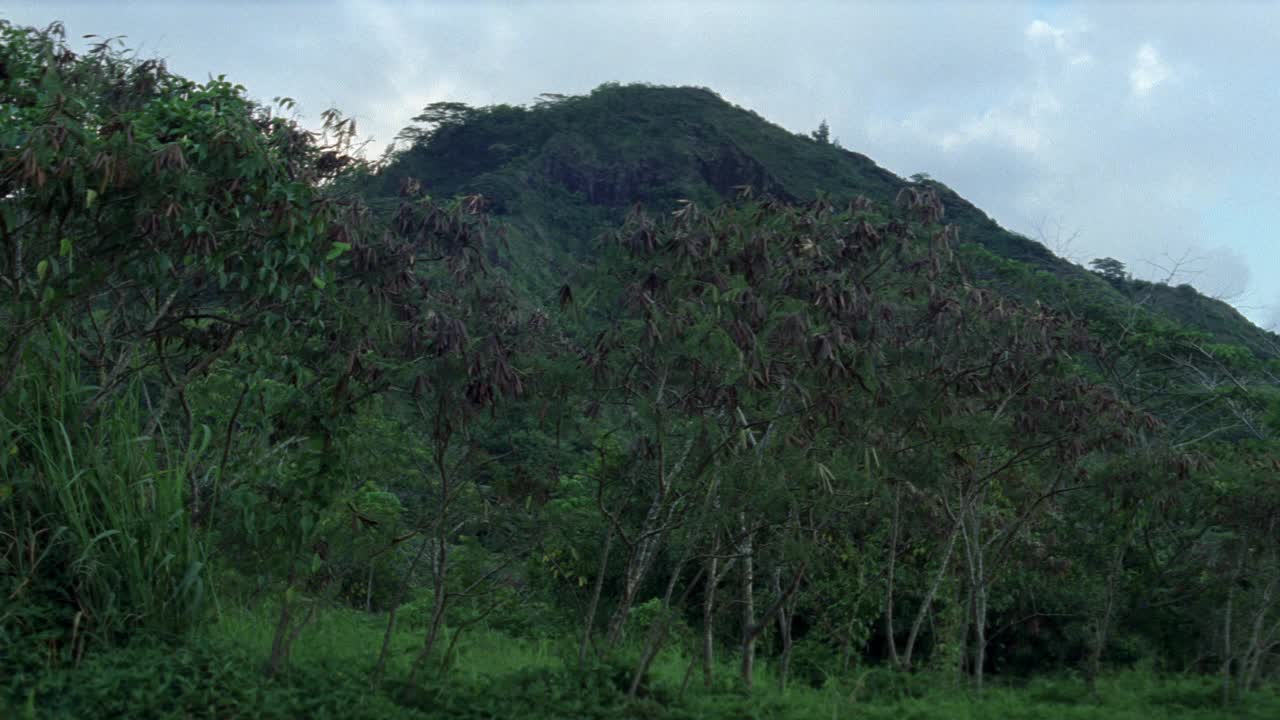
(566, 168)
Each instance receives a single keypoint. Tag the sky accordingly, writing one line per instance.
(1147, 132)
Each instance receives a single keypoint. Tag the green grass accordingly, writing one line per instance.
(216, 673)
(92, 513)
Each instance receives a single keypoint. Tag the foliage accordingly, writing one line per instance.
(693, 417)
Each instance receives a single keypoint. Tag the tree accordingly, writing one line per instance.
(823, 134)
(165, 231)
(1110, 269)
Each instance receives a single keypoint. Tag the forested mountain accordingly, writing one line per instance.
(569, 167)
(623, 405)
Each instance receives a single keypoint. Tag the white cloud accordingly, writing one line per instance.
(1148, 71)
(998, 125)
(1039, 29)
(1062, 40)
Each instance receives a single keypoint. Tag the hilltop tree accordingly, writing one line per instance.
(1110, 269)
(823, 134)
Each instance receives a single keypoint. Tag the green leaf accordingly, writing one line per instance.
(64, 248)
(42, 269)
(318, 282)
(337, 250)
(90, 196)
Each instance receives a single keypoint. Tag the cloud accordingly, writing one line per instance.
(1039, 29)
(1272, 321)
(1018, 124)
(1148, 71)
(1062, 40)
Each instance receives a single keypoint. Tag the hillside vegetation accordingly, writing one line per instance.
(623, 405)
(570, 167)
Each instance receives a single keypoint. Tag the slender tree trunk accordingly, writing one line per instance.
(368, 591)
(977, 606)
(1227, 651)
(1097, 641)
(439, 604)
(748, 605)
(1255, 666)
(396, 602)
(889, 589)
(1256, 648)
(657, 631)
(688, 675)
(279, 639)
(1226, 648)
(1102, 628)
(980, 637)
(784, 614)
(708, 618)
(287, 630)
(440, 564)
(638, 563)
(962, 637)
(297, 629)
(923, 611)
(590, 621)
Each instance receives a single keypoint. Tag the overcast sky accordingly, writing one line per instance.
(1144, 132)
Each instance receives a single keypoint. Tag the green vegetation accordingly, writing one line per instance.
(623, 405)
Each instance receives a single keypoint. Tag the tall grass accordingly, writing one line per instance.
(95, 539)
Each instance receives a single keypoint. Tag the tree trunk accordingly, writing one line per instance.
(923, 612)
(1255, 667)
(657, 631)
(638, 562)
(977, 605)
(440, 566)
(1227, 652)
(1257, 648)
(888, 594)
(1102, 627)
(1258, 642)
(748, 605)
(962, 638)
(688, 675)
(396, 602)
(439, 603)
(708, 619)
(590, 621)
(784, 614)
(280, 638)
(980, 636)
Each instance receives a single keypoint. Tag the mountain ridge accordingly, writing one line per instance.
(567, 168)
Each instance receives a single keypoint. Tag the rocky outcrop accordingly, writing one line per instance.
(725, 167)
(572, 162)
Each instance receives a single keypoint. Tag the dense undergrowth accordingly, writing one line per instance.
(493, 675)
(283, 434)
